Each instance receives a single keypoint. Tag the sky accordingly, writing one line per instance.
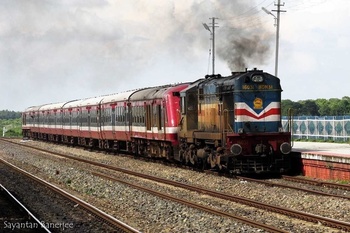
(59, 50)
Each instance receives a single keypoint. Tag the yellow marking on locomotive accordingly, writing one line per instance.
(265, 87)
(259, 87)
(258, 103)
(248, 87)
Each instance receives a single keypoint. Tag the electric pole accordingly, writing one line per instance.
(212, 31)
(277, 33)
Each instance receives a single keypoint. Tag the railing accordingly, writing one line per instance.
(335, 128)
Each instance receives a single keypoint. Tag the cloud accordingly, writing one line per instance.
(69, 49)
(65, 49)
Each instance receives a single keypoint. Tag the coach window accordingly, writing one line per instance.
(24, 117)
(132, 114)
(88, 117)
(73, 117)
(118, 114)
(111, 116)
(106, 116)
(47, 118)
(84, 117)
(93, 117)
(79, 117)
(139, 114)
(142, 109)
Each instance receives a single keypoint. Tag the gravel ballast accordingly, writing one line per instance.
(152, 214)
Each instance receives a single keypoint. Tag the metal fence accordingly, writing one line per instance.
(336, 128)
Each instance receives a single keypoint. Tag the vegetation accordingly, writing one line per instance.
(11, 122)
(319, 107)
(7, 115)
(12, 127)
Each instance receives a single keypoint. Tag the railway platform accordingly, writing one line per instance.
(328, 161)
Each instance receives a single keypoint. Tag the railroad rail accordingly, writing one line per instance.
(27, 221)
(280, 210)
(317, 182)
(271, 184)
(95, 211)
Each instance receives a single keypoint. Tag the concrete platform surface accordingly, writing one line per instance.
(336, 149)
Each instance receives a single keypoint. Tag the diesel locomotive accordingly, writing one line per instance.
(228, 123)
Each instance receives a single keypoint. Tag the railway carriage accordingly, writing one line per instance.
(30, 121)
(155, 113)
(113, 121)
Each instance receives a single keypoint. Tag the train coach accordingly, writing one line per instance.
(230, 123)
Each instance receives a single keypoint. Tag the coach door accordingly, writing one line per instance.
(113, 119)
(158, 121)
(148, 118)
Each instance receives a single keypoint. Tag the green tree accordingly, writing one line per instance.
(285, 106)
(334, 105)
(309, 108)
(323, 107)
(6, 114)
(345, 105)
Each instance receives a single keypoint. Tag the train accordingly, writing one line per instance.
(226, 123)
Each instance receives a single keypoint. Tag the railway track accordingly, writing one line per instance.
(16, 216)
(317, 182)
(272, 184)
(193, 204)
(296, 214)
(118, 225)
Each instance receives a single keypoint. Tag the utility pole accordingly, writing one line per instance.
(212, 31)
(277, 33)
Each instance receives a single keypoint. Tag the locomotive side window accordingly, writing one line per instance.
(183, 105)
(201, 94)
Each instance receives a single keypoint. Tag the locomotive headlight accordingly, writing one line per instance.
(285, 148)
(257, 78)
(236, 149)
